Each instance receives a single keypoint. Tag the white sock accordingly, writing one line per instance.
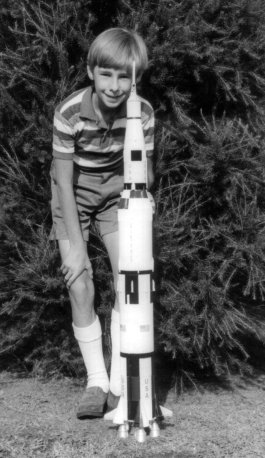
(115, 370)
(90, 344)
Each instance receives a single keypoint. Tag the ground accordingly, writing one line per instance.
(38, 420)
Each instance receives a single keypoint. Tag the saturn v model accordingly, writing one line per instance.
(137, 405)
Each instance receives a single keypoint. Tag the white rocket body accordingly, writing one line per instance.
(135, 287)
(135, 282)
(134, 153)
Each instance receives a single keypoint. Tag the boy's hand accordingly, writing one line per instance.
(150, 173)
(74, 265)
(151, 199)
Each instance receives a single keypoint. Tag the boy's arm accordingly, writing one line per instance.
(148, 121)
(77, 259)
(150, 172)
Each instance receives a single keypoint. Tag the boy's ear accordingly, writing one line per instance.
(90, 72)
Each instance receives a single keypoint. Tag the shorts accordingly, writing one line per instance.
(97, 196)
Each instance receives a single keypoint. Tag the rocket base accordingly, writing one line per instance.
(140, 433)
(138, 407)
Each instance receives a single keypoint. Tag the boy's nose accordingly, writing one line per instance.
(114, 86)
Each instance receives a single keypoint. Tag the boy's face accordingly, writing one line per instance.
(112, 86)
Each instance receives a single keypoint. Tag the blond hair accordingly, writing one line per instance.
(118, 48)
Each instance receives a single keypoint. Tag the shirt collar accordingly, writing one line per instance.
(87, 110)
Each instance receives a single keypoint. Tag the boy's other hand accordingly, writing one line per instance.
(74, 265)
(150, 173)
(151, 200)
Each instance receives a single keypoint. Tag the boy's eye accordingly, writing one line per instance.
(105, 74)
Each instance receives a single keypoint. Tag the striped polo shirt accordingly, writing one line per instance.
(79, 134)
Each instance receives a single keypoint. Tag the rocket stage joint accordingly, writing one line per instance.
(135, 186)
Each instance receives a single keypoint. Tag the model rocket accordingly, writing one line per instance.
(137, 404)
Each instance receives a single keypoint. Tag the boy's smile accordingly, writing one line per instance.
(112, 87)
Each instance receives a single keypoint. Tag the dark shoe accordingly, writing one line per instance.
(112, 401)
(92, 403)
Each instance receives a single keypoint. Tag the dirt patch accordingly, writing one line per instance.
(37, 419)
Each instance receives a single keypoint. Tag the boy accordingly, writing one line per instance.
(87, 179)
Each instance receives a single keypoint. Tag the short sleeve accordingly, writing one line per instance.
(63, 138)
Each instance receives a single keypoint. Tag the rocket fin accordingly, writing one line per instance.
(110, 415)
(119, 416)
(116, 415)
(166, 412)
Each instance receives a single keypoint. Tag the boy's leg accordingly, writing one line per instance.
(87, 331)
(111, 242)
(112, 245)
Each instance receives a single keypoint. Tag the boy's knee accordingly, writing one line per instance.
(82, 290)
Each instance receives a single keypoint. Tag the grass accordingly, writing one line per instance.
(38, 420)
